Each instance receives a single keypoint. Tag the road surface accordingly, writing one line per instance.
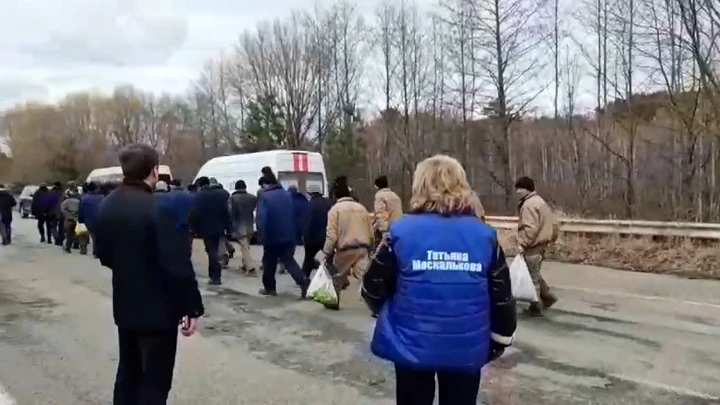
(614, 338)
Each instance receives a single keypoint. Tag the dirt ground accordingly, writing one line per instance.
(682, 257)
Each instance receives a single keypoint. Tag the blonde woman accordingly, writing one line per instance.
(441, 287)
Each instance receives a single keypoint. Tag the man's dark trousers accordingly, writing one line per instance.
(212, 245)
(284, 254)
(60, 231)
(309, 262)
(53, 228)
(6, 230)
(41, 220)
(145, 370)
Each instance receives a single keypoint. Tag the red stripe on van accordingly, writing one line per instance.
(300, 162)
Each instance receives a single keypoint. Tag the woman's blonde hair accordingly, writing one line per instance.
(440, 185)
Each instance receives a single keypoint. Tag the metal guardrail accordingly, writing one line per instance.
(695, 230)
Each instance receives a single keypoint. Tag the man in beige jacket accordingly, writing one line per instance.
(349, 238)
(537, 228)
(387, 208)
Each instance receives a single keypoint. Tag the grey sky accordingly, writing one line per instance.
(49, 48)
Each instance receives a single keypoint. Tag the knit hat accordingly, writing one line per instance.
(525, 183)
(381, 181)
(268, 175)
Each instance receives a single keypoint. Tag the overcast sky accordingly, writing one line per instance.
(51, 47)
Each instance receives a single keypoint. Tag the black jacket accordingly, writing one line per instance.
(380, 281)
(53, 199)
(7, 202)
(211, 214)
(36, 206)
(315, 221)
(153, 278)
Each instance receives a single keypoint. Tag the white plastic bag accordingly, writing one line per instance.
(322, 289)
(523, 288)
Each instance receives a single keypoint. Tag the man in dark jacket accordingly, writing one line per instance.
(300, 204)
(7, 203)
(277, 227)
(314, 227)
(154, 286)
(242, 214)
(212, 223)
(89, 205)
(53, 215)
(38, 210)
(182, 202)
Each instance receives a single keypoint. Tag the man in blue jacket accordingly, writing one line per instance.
(211, 218)
(182, 203)
(276, 223)
(89, 205)
(300, 204)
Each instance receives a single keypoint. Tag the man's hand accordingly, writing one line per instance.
(188, 326)
(496, 350)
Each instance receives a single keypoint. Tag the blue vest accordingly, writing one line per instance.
(439, 317)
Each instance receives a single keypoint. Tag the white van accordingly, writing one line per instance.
(299, 168)
(114, 174)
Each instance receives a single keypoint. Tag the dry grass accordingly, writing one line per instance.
(682, 257)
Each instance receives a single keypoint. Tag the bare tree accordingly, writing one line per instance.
(509, 33)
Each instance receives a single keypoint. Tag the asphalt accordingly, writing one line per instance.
(614, 338)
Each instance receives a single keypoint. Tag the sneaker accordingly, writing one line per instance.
(269, 293)
(215, 282)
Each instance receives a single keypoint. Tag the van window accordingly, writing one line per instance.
(302, 180)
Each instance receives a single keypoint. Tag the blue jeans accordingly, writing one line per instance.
(212, 245)
(285, 254)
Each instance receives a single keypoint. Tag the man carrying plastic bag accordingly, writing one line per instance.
(537, 229)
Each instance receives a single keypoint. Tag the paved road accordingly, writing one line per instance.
(615, 338)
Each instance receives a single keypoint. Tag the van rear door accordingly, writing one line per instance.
(299, 168)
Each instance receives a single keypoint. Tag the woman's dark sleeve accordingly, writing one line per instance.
(503, 315)
(380, 280)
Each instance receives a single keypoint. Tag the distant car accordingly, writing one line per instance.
(25, 200)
